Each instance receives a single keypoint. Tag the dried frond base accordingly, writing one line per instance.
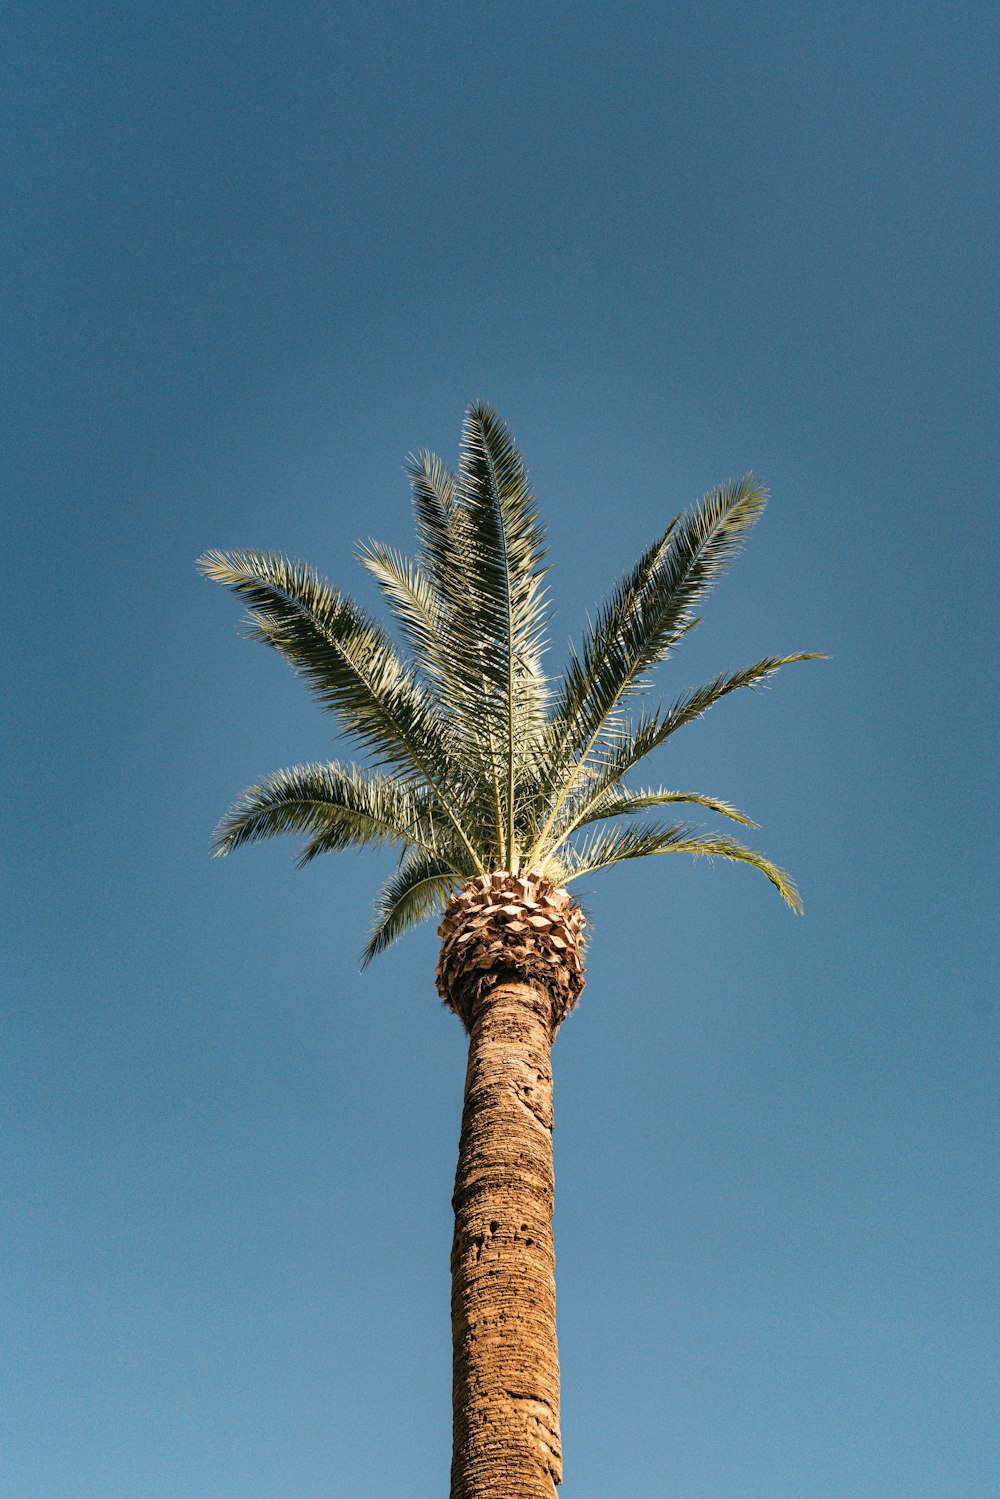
(506, 925)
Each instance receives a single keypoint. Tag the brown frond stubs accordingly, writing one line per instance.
(510, 925)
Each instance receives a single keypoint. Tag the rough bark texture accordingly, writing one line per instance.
(506, 1365)
(510, 923)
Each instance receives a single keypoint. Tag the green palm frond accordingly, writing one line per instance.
(641, 841)
(337, 807)
(457, 659)
(633, 744)
(435, 603)
(506, 571)
(648, 613)
(347, 659)
(416, 608)
(555, 758)
(603, 640)
(419, 887)
(620, 802)
(409, 593)
(433, 488)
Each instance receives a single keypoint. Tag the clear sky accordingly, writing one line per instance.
(253, 255)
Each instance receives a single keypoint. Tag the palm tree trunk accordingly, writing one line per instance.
(506, 1366)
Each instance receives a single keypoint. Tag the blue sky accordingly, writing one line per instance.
(252, 257)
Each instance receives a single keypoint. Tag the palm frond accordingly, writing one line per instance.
(347, 659)
(420, 886)
(602, 640)
(632, 745)
(457, 658)
(337, 806)
(506, 571)
(620, 802)
(640, 841)
(412, 598)
(433, 488)
(648, 613)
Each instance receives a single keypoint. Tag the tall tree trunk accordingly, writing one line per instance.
(506, 1366)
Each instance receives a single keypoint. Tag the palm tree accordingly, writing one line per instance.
(498, 788)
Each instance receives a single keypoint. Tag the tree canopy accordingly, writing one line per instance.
(475, 759)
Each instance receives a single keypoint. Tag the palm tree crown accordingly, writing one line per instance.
(479, 761)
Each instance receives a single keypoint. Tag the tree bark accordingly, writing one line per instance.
(505, 1361)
